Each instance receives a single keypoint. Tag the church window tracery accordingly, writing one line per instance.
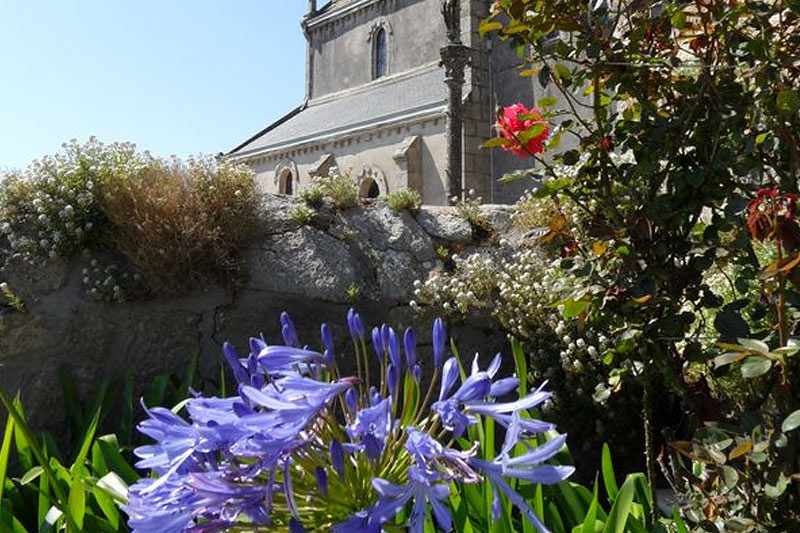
(380, 54)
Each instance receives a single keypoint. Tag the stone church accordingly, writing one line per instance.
(376, 101)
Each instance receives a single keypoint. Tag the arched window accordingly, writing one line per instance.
(286, 184)
(380, 54)
(369, 188)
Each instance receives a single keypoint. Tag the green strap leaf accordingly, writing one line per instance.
(591, 515)
(5, 452)
(87, 443)
(77, 503)
(609, 480)
(623, 505)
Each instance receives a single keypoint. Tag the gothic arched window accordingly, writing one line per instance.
(286, 185)
(380, 54)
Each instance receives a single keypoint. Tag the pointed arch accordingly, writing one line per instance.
(380, 40)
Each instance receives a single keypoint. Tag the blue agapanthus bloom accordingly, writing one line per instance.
(301, 447)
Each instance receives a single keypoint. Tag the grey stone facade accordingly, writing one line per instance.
(391, 129)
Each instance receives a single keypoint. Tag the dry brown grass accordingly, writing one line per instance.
(183, 224)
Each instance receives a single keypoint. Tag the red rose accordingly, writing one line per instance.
(514, 123)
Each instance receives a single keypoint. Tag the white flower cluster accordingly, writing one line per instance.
(469, 286)
(52, 208)
(522, 289)
(108, 282)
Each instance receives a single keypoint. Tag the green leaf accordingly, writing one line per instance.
(679, 523)
(761, 137)
(533, 132)
(791, 422)
(562, 71)
(24, 453)
(591, 516)
(87, 443)
(573, 308)
(5, 452)
(755, 345)
(644, 496)
(521, 366)
(552, 187)
(755, 366)
(44, 503)
(775, 491)
(77, 502)
(731, 476)
(19, 422)
(496, 142)
(115, 461)
(8, 522)
(679, 20)
(31, 475)
(489, 26)
(107, 505)
(548, 101)
(788, 101)
(618, 517)
(609, 480)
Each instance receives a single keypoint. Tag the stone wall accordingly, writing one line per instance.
(310, 272)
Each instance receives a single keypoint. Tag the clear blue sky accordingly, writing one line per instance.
(174, 76)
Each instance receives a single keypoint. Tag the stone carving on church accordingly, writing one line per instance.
(322, 166)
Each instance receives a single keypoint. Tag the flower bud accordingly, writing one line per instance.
(337, 457)
(322, 479)
(288, 331)
(410, 347)
(439, 339)
(351, 400)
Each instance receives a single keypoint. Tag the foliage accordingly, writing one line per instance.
(175, 223)
(51, 496)
(302, 216)
(469, 209)
(680, 114)
(338, 187)
(10, 298)
(404, 200)
(179, 223)
(313, 196)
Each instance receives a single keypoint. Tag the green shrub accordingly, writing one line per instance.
(470, 210)
(339, 188)
(313, 196)
(302, 215)
(404, 200)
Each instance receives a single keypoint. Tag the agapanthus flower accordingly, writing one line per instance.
(371, 427)
(286, 449)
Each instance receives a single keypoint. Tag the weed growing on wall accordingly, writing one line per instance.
(175, 222)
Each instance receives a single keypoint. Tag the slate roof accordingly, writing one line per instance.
(384, 102)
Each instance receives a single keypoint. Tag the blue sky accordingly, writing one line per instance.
(174, 76)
